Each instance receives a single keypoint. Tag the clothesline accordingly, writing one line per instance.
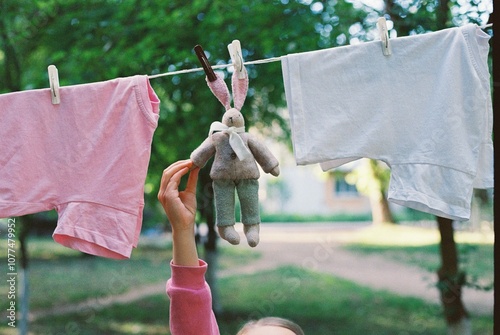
(215, 67)
(255, 62)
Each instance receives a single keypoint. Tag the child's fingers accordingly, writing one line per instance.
(170, 171)
(175, 179)
(192, 180)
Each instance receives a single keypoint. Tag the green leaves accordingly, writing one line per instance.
(103, 39)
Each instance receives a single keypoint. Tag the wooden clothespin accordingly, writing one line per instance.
(384, 36)
(204, 63)
(54, 84)
(237, 58)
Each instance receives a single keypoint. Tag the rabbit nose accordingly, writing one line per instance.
(231, 119)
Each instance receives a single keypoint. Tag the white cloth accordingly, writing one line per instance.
(425, 111)
(235, 140)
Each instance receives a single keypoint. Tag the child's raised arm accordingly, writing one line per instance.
(190, 299)
(180, 207)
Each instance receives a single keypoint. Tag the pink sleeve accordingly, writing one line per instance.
(190, 301)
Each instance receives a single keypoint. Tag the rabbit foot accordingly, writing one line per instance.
(229, 234)
(252, 233)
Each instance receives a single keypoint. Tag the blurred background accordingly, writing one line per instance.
(67, 292)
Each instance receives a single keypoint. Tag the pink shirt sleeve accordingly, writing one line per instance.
(190, 301)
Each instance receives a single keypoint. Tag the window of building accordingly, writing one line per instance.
(344, 189)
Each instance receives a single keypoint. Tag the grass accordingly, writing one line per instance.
(407, 214)
(301, 218)
(322, 304)
(55, 269)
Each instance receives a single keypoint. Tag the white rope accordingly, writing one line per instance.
(215, 67)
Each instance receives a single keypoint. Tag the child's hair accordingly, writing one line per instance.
(271, 321)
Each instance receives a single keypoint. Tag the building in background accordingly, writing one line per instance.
(307, 190)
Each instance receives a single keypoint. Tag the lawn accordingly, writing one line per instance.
(420, 247)
(322, 304)
(55, 269)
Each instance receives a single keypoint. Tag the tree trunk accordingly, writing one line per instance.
(451, 281)
(206, 208)
(381, 213)
(380, 209)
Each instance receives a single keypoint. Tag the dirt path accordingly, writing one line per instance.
(321, 251)
(315, 249)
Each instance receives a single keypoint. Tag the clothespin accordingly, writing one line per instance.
(204, 63)
(54, 84)
(237, 58)
(384, 36)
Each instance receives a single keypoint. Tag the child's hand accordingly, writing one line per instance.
(180, 207)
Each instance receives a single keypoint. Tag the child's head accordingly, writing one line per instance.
(271, 326)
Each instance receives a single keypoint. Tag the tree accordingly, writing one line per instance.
(372, 179)
(102, 39)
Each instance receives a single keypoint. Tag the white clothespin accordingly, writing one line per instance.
(54, 85)
(237, 58)
(384, 36)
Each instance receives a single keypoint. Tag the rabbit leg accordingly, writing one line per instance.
(248, 194)
(224, 196)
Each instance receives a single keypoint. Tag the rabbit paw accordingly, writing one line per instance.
(252, 233)
(229, 234)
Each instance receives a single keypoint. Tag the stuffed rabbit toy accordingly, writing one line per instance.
(234, 169)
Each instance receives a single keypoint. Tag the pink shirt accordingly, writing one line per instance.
(190, 301)
(86, 157)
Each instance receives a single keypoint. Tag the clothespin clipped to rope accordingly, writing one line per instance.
(204, 63)
(384, 36)
(54, 84)
(237, 58)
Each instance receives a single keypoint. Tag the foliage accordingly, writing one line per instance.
(103, 39)
(370, 177)
(98, 40)
(301, 218)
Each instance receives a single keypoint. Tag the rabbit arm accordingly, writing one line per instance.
(263, 156)
(203, 153)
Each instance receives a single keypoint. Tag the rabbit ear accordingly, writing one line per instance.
(240, 89)
(220, 90)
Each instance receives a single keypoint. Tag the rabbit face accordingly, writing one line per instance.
(233, 118)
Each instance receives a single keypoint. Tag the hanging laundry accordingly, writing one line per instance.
(425, 111)
(86, 157)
